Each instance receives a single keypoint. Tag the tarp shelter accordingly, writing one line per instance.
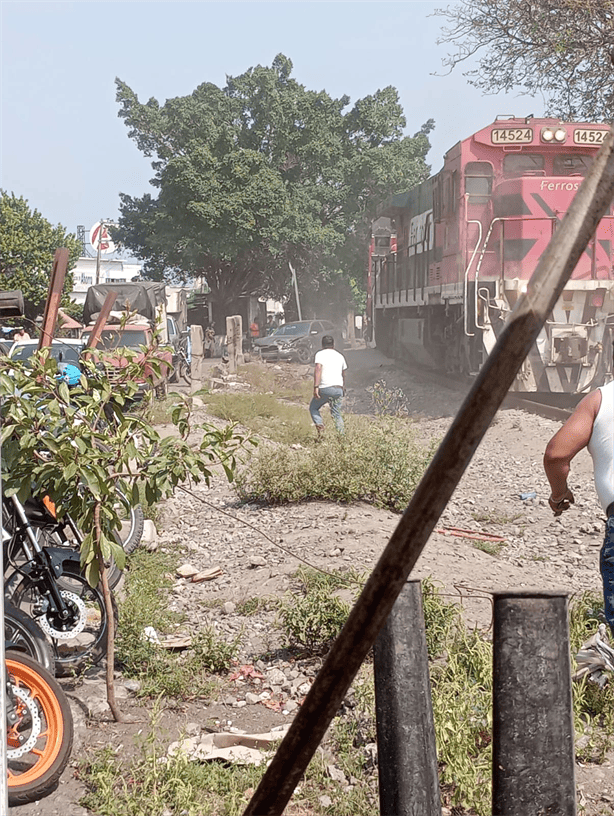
(144, 298)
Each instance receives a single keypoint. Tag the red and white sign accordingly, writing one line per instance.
(99, 234)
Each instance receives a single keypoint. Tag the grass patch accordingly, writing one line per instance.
(263, 414)
(376, 460)
(461, 683)
(152, 785)
(145, 603)
(490, 547)
(283, 383)
(251, 606)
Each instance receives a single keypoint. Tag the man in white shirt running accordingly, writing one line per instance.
(590, 426)
(328, 384)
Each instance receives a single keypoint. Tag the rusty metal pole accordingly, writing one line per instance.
(533, 732)
(436, 487)
(406, 751)
(103, 316)
(54, 296)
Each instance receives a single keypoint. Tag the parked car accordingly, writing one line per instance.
(298, 341)
(65, 350)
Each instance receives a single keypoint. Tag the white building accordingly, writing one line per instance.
(112, 270)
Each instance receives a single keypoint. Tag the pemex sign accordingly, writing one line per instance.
(100, 238)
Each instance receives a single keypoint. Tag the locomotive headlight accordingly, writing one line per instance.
(547, 135)
(560, 134)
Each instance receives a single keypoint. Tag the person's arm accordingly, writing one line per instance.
(317, 378)
(564, 445)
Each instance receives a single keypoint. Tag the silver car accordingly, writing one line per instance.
(298, 341)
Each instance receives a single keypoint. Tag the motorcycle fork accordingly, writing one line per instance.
(44, 573)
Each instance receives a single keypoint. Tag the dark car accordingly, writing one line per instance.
(298, 341)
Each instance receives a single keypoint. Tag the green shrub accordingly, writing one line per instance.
(376, 460)
(313, 618)
(145, 603)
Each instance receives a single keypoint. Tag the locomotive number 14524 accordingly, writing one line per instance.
(586, 136)
(511, 135)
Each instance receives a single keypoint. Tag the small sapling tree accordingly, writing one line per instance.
(83, 448)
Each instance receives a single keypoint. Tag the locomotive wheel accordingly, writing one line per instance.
(40, 740)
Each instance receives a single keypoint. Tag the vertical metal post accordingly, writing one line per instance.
(198, 354)
(533, 735)
(295, 282)
(406, 751)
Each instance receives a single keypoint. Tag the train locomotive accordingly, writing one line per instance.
(449, 258)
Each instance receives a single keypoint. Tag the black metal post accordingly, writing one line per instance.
(406, 751)
(533, 735)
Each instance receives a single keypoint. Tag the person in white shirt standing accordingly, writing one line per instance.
(328, 384)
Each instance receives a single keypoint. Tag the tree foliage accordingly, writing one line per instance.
(27, 246)
(563, 49)
(260, 173)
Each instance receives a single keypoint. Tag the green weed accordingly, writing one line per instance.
(376, 460)
(490, 547)
(313, 617)
(152, 784)
(145, 603)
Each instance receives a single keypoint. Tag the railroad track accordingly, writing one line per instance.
(535, 407)
(522, 402)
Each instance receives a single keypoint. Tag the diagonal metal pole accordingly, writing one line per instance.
(56, 284)
(434, 491)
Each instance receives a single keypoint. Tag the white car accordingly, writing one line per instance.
(65, 350)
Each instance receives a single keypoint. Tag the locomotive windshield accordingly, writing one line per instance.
(523, 164)
(574, 165)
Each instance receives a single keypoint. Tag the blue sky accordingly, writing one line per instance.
(63, 147)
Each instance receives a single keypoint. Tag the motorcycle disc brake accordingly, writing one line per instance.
(79, 618)
(35, 726)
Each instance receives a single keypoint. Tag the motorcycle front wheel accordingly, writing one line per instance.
(79, 642)
(40, 735)
(22, 635)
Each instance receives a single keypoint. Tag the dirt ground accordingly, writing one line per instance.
(503, 493)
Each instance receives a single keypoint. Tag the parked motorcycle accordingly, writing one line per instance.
(39, 729)
(22, 634)
(46, 583)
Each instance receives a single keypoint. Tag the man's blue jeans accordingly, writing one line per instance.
(606, 566)
(333, 395)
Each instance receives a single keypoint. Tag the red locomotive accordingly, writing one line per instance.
(468, 239)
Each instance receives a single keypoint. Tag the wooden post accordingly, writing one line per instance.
(351, 330)
(533, 761)
(198, 356)
(56, 284)
(103, 316)
(436, 487)
(406, 751)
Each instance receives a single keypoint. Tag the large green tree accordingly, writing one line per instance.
(27, 246)
(263, 172)
(560, 49)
